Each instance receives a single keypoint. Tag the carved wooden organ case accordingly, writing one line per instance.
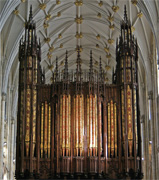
(78, 127)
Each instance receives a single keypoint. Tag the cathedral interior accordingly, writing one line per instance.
(79, 89)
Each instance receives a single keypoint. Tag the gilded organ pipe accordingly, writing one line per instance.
(61, 120)
(63, 126)
(28, 112)
(115, 121)
(96, 126)
(108, 129)
(135, 118)
(112, 128)
(46, 129)
(76, 127)
(34, 118)
(42, 129)
(67, 124)
(123, 118)
(88, 124)
(49, 131)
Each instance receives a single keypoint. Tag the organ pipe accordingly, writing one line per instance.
(129, 117)
(28, 112)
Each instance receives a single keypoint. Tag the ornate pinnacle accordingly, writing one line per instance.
(100, 70)
(91, 67)
(66, 67)
(31, 14)
(56, 70)
(125, 14)
(78, 70)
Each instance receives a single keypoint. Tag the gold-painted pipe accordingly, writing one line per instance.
(112, 129)
(129, 117)
(108, 129)
(93, 125)
(115, 130)
(28, 113)
(100, 127)
(135, 118)
(96, 126)
(42, 130)
(77, 132)
(69, 120)
(74, 110)
(90, 124)
(67, 124)
(46, 128)
(123, 118)
(49, 132)
(61, 127)
(34, 118)
(88, 139)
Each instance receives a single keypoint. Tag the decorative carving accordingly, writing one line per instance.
(100, 3)
(115, 8)
(110, 41)
(139, 15)
(58, 14)
(79, 20)
(110, 18)
(16, 12)
(48, 17)
(79, 3)
(42, 6)
(99, 15)
(98, 36)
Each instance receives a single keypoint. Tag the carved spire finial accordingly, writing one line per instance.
(56, 69)
(91, 67)
(125, 14)
(66, 67)
(78, 70)
(31, 14)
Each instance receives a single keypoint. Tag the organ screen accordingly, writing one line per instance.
(78, 126)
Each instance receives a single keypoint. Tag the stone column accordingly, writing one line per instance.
(11, 150)
(2, 118)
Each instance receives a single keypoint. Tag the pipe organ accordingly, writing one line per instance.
(78, 127)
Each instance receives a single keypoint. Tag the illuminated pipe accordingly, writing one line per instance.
(28, 112)
(42, 130)
(49, 132)
(88, 140)
(81, 125)
(96, 126)
(112, 129)
(90, 124)
(46, 127)
(108, 129)
(100, 126)
(93, 126)
(115, 130)
(77, 132)
(74, 107)
(67, 123)
(69, 120)
(135, 118)
(123, 118)
(63, 126)
(129, 117)
(34, 118)
(61, 129)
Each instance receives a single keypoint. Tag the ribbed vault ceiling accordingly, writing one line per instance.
(66, 24)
